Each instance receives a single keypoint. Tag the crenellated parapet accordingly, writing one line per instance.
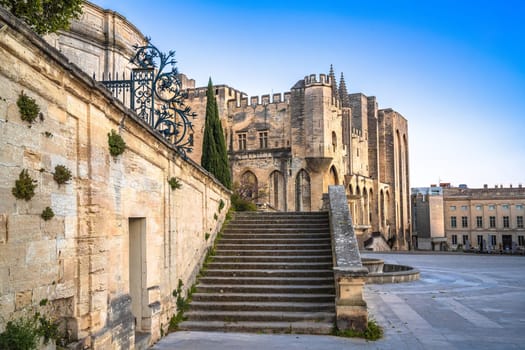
(223, 92)
(357, 132)
(313, 79)
(321, 80)
(278, 100)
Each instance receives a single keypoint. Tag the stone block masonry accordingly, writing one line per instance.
(349, 272)
(121, 238)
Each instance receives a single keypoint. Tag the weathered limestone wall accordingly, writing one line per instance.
(116, 212)
(393, 163)
(100, 41)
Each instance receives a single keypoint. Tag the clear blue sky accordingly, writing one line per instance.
(454, 69)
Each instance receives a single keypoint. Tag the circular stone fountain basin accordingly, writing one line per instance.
(380, 273)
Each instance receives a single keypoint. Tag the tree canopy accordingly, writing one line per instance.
(214, 154)
(44, 16)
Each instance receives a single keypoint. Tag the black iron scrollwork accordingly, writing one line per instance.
(156, 96)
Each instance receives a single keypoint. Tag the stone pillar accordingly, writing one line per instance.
(350, 307)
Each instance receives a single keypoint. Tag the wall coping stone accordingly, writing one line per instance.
(347, 259)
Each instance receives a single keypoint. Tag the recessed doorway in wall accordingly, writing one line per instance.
(137, 267)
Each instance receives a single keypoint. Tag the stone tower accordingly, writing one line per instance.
(286, 149)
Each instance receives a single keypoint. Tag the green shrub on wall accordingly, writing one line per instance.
(174, 183)
(28, 108)
(47, 214)
(24, 186)
(62, 174)
(24, 333)
(20, 334)
(116, 143)
(241, 204)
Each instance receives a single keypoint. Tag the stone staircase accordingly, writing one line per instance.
(272, 273)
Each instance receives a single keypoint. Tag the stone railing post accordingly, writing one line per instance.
(349, 272)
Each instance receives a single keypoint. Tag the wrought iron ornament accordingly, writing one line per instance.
(154, 92)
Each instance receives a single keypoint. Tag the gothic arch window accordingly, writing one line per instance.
(371, 206)
(359, 205)
(387, 212)
(302, 191)
(276, 190)
(333, 176)
(405, 150)
(249, 185)
(365, 206)
(334, 141)
(382, 208)
(350, 189)
(401, 195)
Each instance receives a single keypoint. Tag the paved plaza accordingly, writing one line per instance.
(462, 301)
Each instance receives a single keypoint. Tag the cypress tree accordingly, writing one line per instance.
(214, 154)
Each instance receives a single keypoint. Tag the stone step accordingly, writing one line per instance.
(273, 235)
(268, 252)
(262, 306)
(275, 281)
(260, 316)
(274, 258)
(324, 224)
(142, 340)
(269, 265)
(232, 246)
(272, 272)
(260, 327)
(264, 297)
(276, 289)
(277, 241)
(275, 230)
(269, 273)
(241, 214)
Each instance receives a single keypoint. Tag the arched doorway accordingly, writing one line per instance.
(333, 180)
(359, 206)
(249, 186)
(302, 191)
(382, 209)
(276, 190)
(366, 211)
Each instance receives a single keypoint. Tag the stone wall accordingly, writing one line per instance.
(100, 42)
(114, 213)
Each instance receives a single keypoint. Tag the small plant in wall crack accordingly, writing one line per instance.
(24, 186)
(62, 174)
(372, 332)
(116, 144)
(47, 214)
(28, 108)
(182, 305)
(26, 331)
(174, 183)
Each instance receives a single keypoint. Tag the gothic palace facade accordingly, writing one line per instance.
(285, 149)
